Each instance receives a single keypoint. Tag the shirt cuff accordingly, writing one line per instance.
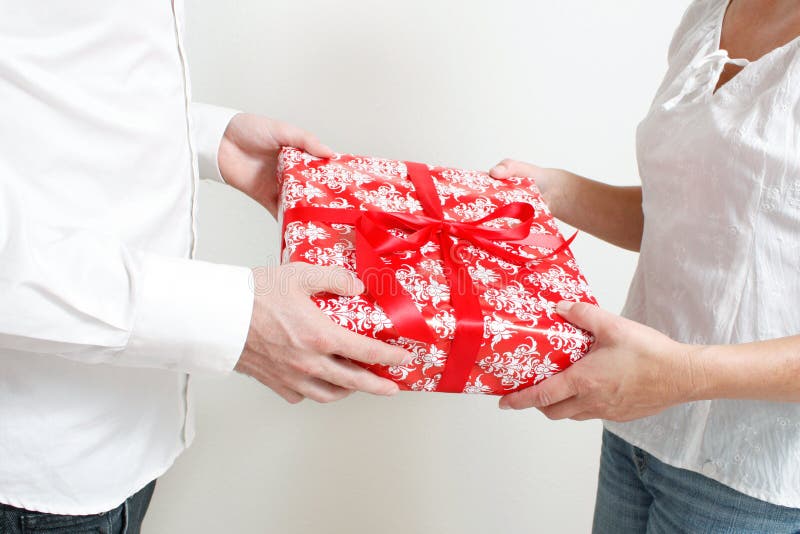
(208, 126)
(191, 316)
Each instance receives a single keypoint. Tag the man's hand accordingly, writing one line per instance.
(297, 351)
(631, 372)
(248, 155)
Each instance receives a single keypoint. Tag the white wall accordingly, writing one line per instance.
(466, 83)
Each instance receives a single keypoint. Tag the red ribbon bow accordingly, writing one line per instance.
(375, 241)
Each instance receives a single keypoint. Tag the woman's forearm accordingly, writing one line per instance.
(611, 213)
(763, 370)
(634, 371)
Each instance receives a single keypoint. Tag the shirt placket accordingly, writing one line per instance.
(177, 17)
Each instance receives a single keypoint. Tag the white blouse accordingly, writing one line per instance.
(720, 256)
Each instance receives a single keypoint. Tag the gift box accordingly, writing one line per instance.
(462, 269)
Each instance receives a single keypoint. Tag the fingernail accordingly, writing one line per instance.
(504, 404)
(358, 286)
(498, 169)
(408, 360)
(564, 306)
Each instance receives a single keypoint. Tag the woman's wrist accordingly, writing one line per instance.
(700, 380)
(611, 213)
(725, 372)
(552, 184)
(763, 370)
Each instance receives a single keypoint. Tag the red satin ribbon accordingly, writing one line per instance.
(374, 241)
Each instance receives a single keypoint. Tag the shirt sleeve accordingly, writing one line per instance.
(85, 296)
(208, 125)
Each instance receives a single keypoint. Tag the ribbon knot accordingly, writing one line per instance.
(375, 241)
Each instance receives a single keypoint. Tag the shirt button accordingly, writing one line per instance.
(709, 469)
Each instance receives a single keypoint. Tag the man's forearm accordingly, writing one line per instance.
(611, 213)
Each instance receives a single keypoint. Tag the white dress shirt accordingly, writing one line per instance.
(102, 311)
(720, 257)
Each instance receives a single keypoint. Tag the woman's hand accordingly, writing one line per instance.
(611, 213)
(549, 181)
(248, 155)
(631, 372)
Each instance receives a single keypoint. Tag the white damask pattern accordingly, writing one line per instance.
(477, 387)
(483, 275)
(354, 314)
(477, 209)
(295, 192)
(567, 338)
(422, 288)
(497, 329)
(514, 299)
(383, 168)
(515, 367)
(388, 198)
(525, 341)
(557, 280)
(444, 324)
(337, 178)
(342, 254)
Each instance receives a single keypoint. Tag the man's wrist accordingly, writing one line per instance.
(210, 125)
(191, 316)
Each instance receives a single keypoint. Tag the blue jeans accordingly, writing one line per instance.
(637, 494)
(125, 519)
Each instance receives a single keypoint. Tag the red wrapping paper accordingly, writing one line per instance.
(516, 283)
